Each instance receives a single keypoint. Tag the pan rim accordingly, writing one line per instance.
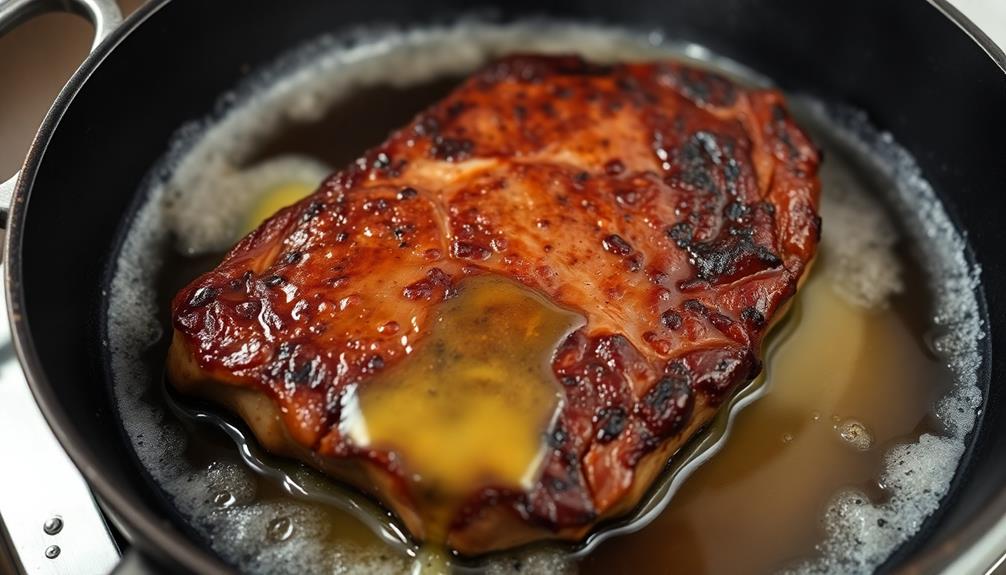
(149, 532)
(994, 51)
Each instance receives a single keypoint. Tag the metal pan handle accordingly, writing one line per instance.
(103, 14)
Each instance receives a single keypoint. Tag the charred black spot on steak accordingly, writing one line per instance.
(737, 250)
(274, 280)
(611, 421)
(295, 365)
(705, 163)
(616, 245)
(671, 319)
(735, 211)
(380, 161)
(290, 258)
(375, 363)
(426, 125)
(694, 306)
(451, 149)
(752, 317)
(725, 258)
(312, 211)
(557, 438)
(248, 309)
(667, 406)
(701, 86)
(203, 296)
(681, 233)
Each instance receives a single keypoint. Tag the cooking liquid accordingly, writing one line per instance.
(842, 385)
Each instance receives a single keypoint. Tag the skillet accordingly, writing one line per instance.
(909, 64)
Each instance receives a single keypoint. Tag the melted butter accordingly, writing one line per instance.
(274, 200)
(470, 407)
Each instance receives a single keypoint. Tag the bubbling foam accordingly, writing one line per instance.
(858, 240)
(862, 534)
(198, 195)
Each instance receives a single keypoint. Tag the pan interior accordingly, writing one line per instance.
(197, 197)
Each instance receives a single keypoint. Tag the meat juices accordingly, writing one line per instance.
(672, 210)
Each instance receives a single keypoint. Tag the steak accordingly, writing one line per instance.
(669, 208)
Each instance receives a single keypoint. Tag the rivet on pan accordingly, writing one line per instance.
(52, 526)
(52, 551)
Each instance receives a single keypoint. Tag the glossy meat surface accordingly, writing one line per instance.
(673, 209)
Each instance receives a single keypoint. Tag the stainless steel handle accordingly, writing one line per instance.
(48, 517)
(105, 16)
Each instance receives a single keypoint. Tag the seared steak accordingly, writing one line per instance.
(671, 209)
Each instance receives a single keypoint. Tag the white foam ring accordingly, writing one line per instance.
(862, 534)
(858, 240)
(200, 194)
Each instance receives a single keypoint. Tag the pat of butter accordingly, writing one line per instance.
(470, 407)
(274, 200)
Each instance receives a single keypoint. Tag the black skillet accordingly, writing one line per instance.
(910, 64)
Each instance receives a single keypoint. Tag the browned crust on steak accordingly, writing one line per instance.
(674, 209)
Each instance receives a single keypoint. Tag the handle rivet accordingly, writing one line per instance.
(52, 526)
(52, 551)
